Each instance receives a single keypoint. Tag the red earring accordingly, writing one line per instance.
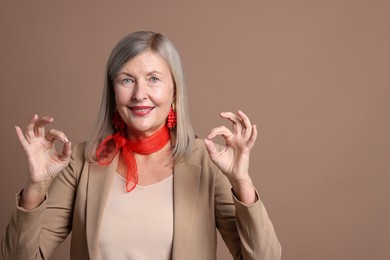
(171, 120)
(117, 122)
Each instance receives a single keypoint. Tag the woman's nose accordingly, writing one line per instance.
(140, 91)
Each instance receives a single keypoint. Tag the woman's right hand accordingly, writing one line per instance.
(44, 163)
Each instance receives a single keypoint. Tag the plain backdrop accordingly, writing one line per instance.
(313, 75)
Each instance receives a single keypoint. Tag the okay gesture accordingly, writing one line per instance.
(233, 159)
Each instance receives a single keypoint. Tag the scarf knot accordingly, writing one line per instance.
(118, 143)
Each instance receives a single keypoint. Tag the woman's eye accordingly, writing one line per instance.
(154, 79)
(127, 81)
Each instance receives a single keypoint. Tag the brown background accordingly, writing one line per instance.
(314, 76)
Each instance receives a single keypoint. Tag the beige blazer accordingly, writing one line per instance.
(203, 202)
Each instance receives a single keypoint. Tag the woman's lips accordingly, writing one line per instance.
(141, 110)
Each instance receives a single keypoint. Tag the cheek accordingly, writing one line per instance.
(120, 96)
(164, 98)
(170, 95)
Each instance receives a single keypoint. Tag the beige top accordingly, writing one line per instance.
(138, 224)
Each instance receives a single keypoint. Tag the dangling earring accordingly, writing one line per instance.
(117, 122)
(171, 120)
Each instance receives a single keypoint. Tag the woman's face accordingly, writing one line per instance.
(144, 92)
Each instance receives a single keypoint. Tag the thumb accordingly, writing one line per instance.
(66, 151)
(210, 147)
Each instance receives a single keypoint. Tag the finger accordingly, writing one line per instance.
(245, 119)
(30, 127)
(221, 130)
(54, 134)
(39, 126)
(247, 126)
(236, 121)
(66, 152)
(253, 137)
(210, 147)
(21, 137)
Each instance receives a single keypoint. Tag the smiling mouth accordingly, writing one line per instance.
(141, 110)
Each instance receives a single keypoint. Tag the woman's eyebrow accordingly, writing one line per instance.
(124, 73)
(154, 72)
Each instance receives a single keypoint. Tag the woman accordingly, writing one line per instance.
(142, 187)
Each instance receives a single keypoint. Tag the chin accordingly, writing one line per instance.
(143, 130)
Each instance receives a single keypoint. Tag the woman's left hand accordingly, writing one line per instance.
(233, 159)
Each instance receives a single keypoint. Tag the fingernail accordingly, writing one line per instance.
(66, 140)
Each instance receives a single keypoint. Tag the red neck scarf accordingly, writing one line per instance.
(105, 152)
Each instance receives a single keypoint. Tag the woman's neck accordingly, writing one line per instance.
(152, 168)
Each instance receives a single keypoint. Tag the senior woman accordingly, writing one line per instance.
(143, 186)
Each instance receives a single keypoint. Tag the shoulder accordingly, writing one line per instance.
(77, 160)
(199, 150)
(200, 147)
(78, 151)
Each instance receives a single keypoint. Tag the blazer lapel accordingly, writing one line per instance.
(186, 179)
(99, 184)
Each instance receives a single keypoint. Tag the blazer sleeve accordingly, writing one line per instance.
(36, 233)
(246, 230)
